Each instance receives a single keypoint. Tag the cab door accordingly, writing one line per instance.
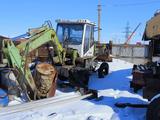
(88, 46)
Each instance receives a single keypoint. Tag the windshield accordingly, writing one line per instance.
(70, 33)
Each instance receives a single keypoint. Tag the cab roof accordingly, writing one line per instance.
(80, 21)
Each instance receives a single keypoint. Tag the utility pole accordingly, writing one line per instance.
(99, 20)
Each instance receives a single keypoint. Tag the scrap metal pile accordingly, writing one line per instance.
(147, 77)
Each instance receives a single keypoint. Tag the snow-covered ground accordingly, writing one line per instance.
(111, 89)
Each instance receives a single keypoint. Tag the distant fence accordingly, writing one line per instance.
(120, 50)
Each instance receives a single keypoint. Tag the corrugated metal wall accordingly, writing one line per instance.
(130, 51)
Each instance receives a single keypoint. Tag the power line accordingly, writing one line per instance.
(136, 4)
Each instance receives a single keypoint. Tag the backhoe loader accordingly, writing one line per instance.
(71, 54)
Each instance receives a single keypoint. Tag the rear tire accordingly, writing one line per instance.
(153, 111)
(103, 70)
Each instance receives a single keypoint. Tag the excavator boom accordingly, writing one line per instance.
(40, 38)
(17, 56)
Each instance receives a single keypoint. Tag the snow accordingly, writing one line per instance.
(15, 101)
(3, 98)
(111, 89)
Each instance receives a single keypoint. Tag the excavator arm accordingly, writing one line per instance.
(39, 37)
(17, 56)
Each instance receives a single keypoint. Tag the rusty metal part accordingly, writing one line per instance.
(104, 57)
(45, 79)
(140, 75)
(138, 80)
(41, 52)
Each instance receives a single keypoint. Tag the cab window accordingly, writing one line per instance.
(72, 33)
(87, 39)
